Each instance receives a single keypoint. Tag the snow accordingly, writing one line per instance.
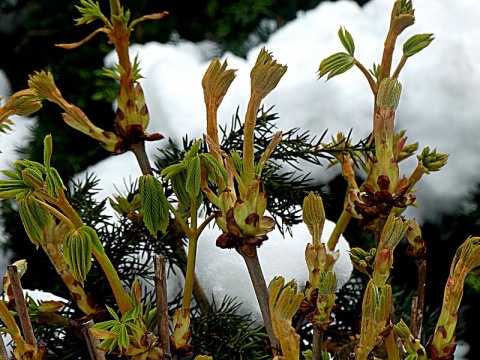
(223, 271)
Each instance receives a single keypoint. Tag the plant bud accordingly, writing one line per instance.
(24, 102)
(33, 177)
(388, 95)
(431, 161)
(314, 215)
(266, 74)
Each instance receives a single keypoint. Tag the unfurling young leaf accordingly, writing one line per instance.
(375, 70)
(416, 44)
(193, 150)
(47, 150)
(32, 177)
(336, 64)
(266, 73)
(179, 183)
(92, 234)
(34, 218)
(213, 166)
(430, 161)
(154, 203)
(77, 252)
(54, 183)
(347, 41)
(193, 177)
(90, 12)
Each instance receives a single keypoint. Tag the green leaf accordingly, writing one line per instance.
(90, 12)
(12, 174)
(23, 164)
(213, 166)
(113, 313)
(40, 215)
(416, 44)
(14, 193)
(77, 252)
(154, 203)
(193, 177)
(347, 41)
(134, 327)
(266, 73)
(193, 150)
(136, 69)
(32, 228)
(336, 64)
(375, 71)
(172, 170)
(12, 188)
(105, 325)
(32, 177)
(131, 315)
(92, 234)
(123, 341)
(237, 161)
(307, 354)
(179, 183)
(47, 150)
(54, 183)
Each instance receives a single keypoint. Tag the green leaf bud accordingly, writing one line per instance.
(33, 177)
(416, 44)
(90, 12)
(54, 183)
(328, 283)
(314, 215)
(389, 93)
(24, 102)
(47, 150)
(43, 83)
(403, 16)
(431, 161)
(266, 73)
(216, 81)
(336, 64)
(347, 41)
(363, 260)
(34, 217)
(77, 252)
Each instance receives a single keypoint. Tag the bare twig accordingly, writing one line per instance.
(142, 158)
(162, 304)
(418, 303)
(261, 291)
(92, 342)
(21, 305)
(317, 345)
(3, 349)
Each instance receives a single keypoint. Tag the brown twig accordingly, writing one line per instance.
(162, 304)
(21, 305)
(142, 157)
(3, 349)
(418, 303)
(261, 291)
(317, 345)
(92, 342)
